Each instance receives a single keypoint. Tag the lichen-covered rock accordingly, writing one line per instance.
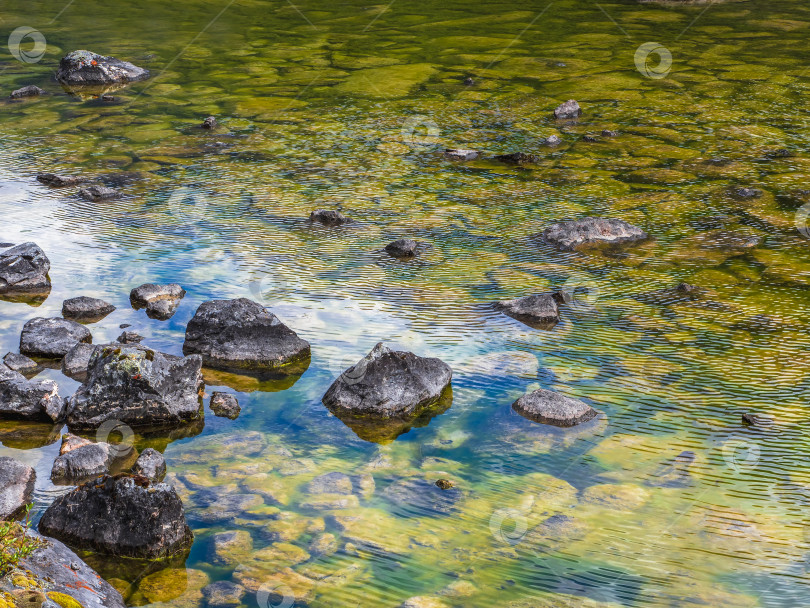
(538, 311)
(20, 363)
(160, 301)
(17, 482)
(243, 335)
(24, 270)
(23, 399)
(328, 217)
(225, 405)
(122, 516)
(85, 308)
(138, 386)
(568, 109)
(150, 464)
(52, 338)
(88, 68)
(229, 548)
(567, 236)
(549, 407)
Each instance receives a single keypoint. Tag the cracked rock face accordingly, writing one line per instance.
(52, 338)
(88, 68)
(138, 386)
(23, 399)
(567, 236)
(24, 270)
(549, 407)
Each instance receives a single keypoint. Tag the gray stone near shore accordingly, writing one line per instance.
(150, 464)
(538, 311)
(86, 308)
(328, 217)
(17, 482)
(567, 236)
(24, 399)
(552, 408)
(225, 405)
(568, 109)
(52, 338)
(81, 462)
(160, 301)
(459, 154)
(24, 270)
(243, 335)
(88, 68)
(20, 363)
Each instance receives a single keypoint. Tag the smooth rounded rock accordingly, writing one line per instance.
(328, 217)
(549, 407)
(538, 311)
(52, 338)
(225, 405)
(85, 308)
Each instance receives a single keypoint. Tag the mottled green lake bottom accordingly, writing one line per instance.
(332, 110)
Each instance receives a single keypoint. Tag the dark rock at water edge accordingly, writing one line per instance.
(88, 68)
(20, 363)
(17, 482)
(757, 420)
(160, 301)
(225, 405)
(538, 311)
(60, 181)
(85, 308)
(403, 248)
(150, 464)
(77, 360)
(52, 338)
(122, 516)
(24, 270)
(99, 193)
(209, 123)
(328, 217)
(567, 236)
(683, 292)
(28, 91)
(129, 337)
(568, 109)
(549, 407)
(243, 335)
(83, 461)
(517, 158)
(23, 399)
(138, 386)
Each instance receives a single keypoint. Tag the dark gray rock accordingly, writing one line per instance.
(225, 405)
(743, 193)
(86, 309)
(328, 217)
(418, 497)
(121, 516)
(28, 91)
(88, 68)
(57, 569)
(20, 363)
(52, 338)
(569, 109)
(138, 386)
(160, 301)
(517, 158)
(567, 236)
(209, 123)
(243, 335)
(538, 311)
(548, 407)
(757, 420)
(150, 464)
(24, 270)
(403, 248)
(60, 181)
(458, 154)
(16, 487)
(129, 337)
(223, 594)
(81, 459)
(609, 133)
(77, 360)
(99, 193)
(23, 399)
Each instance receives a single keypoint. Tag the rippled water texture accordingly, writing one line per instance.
(348, 106)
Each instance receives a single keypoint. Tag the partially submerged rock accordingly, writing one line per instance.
(517, 158)
(402, 248)
(24, 270)
(552, 140)
(150, 464)
(17, 482)
(122, 516)
(52, 338)
(225, 405)
(20, 363)
(28, 91)
(224, 594)
(209, 123)
(88, 68)
(459, 154)
(682, 292)
(138, 386)
(84, 308)
(81, 459)
(60, 181)
(77, 360)
(160, 301)
(129, 337)
(538, 311)
(99, 193)
(568, 109)
(676, 473)
(567, 236)
(548, 407)
(243, 335)
(328, 217)
(387, 392)
(23, 399)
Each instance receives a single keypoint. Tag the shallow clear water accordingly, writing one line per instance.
(348, 106)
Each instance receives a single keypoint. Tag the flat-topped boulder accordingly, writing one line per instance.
(84, 308)
(567, 236)
(17, 482)
(243, 335)
(138, 386)
(538, 311)
(121, 516)
(552, 408)
(160, 301)
(88, 68)
(24, 399)
(52, 338)
(24, 270)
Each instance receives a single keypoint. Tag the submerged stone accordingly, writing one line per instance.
(517, 158)
(328, 217)
(549, 407)
(567, 236)
(28, 91)
(99, 193)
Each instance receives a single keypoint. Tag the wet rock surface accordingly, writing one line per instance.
(138, 386)
(24, 270)
(458, 154)
(99, 193)
(88, 68)
(242, 335)
(328, 217)
(150, 464)
(85, 308)
(77, 360)
(80, 460)
(402, 248)
(60, 181)
(24, 399)
(17, 482)
(538, 311)
(567, 236)
(160, 301)
(20, 363)
(52, 338)
(225, 405)
(548, 407)
(124, 516)
(28, 91)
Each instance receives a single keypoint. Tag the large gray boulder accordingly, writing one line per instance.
(567, 236)
(243, 335)
(24, 270)
(389, 387)
(538, 311)
(138, 386)
(24, 399)
(549, 407)
(160, 301)
(121, 516)
(88, 68)
(56, 572)
(52, 338)
(16, 487)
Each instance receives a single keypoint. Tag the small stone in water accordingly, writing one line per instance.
(444, 484)
(553, 140)
(569, 109)
(129, 337)
(458, 154)
(328, 217)
(99, 193)
(609, 133)
(469, 81)
(209, 123)
(51, 179)
(29, 91)
(225, 405)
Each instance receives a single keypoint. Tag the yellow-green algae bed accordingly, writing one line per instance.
(348, 106)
